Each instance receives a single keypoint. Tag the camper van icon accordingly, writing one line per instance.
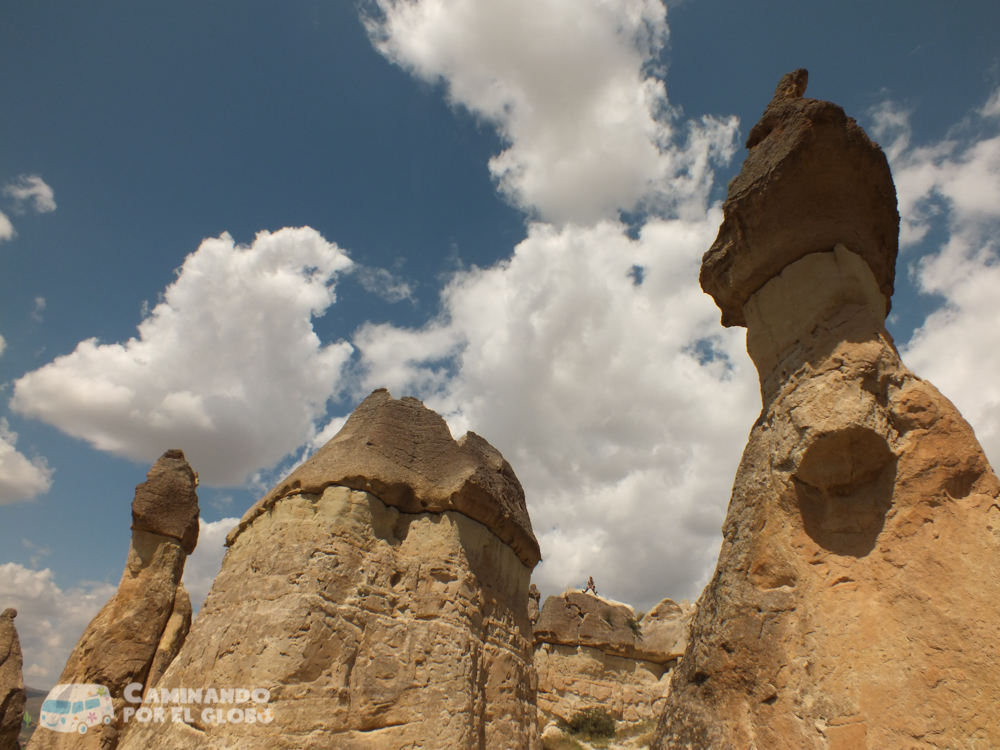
(76, 708)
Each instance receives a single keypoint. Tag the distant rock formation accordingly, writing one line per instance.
(856, 602)
(142, 624)
(595, 653)
(534, 599)
(378, 595)
(12, 692)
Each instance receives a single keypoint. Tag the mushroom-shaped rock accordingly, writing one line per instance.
(856, 602)
(142, 625)
(403, 453)
(812, 179)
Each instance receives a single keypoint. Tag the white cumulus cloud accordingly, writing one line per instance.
(954, 184)
(227, 367)
(6, 228)
(20, 478)
(570, 87)
(49, 620)
(592, 360)
(623, 407)
(205, 563)
(31, 190)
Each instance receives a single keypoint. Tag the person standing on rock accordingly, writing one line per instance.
(590, 585)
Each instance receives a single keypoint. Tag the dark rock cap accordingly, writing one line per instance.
(812, 179)
(166, 503)
(404, 454)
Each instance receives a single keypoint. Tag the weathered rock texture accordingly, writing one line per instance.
(856, 603)
(370, 624)
(591, 652)
(404, 454)
(12, 693)
(777, 211)
(141, 624)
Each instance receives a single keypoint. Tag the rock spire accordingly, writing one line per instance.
(143, 624)
(12, 692)
(856, 602)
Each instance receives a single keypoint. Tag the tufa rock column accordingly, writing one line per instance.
(378, 594)
(856, 602)
(143, 624)
(12, 692)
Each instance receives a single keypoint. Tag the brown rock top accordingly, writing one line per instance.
(403, 453)
(812, 180)
(12, 693)
(166, 503)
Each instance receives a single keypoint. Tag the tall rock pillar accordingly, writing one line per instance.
(856, 602)
(12, 692)
(144, 623)
(376, 599)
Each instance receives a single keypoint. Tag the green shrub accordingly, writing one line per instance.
(634, 626)
(592, 722)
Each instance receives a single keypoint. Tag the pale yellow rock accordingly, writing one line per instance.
(594, 653)
(816, 288)
(574, 678)
(173, 636)
(370, 628)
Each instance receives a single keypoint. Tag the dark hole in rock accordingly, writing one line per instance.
(844, 485)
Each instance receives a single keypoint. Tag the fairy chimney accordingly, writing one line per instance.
(146, 620)
(856, 602)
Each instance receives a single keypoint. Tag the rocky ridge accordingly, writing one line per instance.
(592, 652)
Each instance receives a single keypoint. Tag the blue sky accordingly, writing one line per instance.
(478, 178)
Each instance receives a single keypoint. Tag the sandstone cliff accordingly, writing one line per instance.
(12, 693)
(143, 622)
(856, 602)
(595, 653)
(378, 595)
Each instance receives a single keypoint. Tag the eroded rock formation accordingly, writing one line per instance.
(591, 652)
(12, 693)
(141, 624)
(856, 603)
(378, 594)
(812, 179)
